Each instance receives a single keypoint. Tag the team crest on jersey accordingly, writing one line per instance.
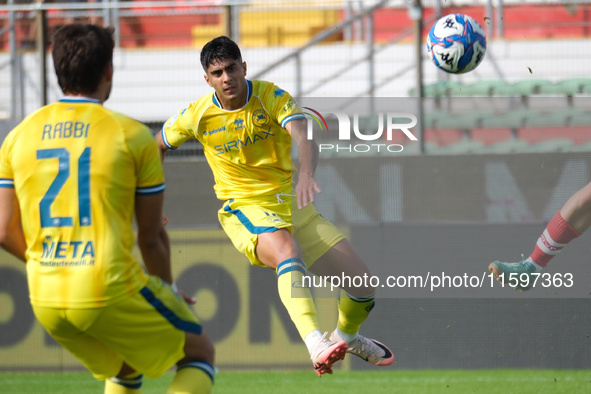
(260, 118)
(279, 92)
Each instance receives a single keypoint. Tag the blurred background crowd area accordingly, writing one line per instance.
(532, 90)
(156, 24)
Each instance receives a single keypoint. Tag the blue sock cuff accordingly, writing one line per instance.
(368, 298)
(291, 264)
(130, 383)
(202, 365)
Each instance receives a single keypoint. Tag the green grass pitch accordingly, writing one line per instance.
(342, 382)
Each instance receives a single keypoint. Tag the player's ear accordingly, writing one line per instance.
(109, 71)
(244, 67)
(207, 79)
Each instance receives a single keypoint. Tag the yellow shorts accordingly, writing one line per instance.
(147, 331)
(244, 220)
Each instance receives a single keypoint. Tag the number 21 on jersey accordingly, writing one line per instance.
(64, 165)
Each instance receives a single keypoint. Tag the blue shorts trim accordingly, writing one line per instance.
(247, 223)
(169, 315)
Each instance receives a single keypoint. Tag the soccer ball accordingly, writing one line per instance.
(456, 43)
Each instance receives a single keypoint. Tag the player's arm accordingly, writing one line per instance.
(179, 127)
(164, 220)
(308, 158)
(161, 144)
(12, 238)
(163, 149)
(152, 237)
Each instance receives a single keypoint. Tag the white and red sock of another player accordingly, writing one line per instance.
(556, 236)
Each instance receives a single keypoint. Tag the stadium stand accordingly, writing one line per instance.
(577, 134)
(464, 146)
(569, 87)
(512, 119)
(559, 117)
(260, 27)
(480, 88)
(492, 136)
(551, 145)
(525, 87)
(463, 121)
(582, 119)
(550, 125)
(510, 145)
(515, 130)
(181, 26)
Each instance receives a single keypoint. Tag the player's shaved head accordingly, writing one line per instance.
(220, 48)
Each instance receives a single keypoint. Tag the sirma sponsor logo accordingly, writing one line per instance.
(238, 144)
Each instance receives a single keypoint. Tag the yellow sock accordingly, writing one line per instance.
(297, 300)
(194, 377)
(353, 311)
(129, 384)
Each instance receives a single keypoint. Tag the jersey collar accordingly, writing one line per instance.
(248, 95)
(79, 99)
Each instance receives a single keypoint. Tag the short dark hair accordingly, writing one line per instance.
(81, 53)
(220, 48)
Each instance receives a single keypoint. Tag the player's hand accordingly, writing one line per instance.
(188, 300)
(305, 189)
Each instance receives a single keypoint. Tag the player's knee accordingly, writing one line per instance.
(127, 372)
(582, 198)
(272, 248)
(198, 348)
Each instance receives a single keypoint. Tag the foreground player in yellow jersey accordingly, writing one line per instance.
(73, 175)
(246, 128)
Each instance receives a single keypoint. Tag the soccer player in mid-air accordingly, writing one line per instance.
(73, 175)
(246, 128)
(572, 220)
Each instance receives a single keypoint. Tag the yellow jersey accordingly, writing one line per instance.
(248, 150)
(76, 168)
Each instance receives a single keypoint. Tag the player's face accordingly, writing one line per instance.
(227, 78)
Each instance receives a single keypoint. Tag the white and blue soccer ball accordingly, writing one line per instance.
(456, 43)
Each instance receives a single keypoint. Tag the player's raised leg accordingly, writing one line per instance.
(572, 220)
(297, 299)
(557, 234)
(355, 304)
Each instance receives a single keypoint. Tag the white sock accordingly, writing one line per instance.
(312, 339)
(346, 337)
(539, 268)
